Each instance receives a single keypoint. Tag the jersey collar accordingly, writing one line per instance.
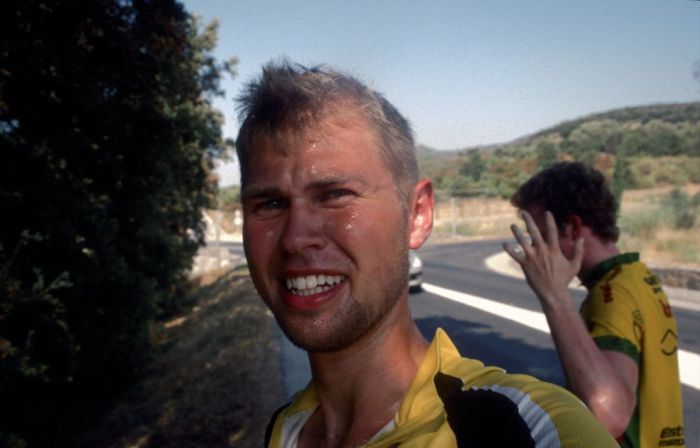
(605, 266)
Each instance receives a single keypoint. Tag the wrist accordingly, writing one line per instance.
(555, 300)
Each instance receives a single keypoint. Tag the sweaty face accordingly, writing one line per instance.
(325, 233)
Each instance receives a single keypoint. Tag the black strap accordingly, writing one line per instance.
(481, 417)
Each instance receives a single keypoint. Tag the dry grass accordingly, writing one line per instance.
(648, 229)
(214, 381)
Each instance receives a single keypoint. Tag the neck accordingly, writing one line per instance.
(360, 388)
(595, 252)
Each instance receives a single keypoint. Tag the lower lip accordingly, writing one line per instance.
(311, 302)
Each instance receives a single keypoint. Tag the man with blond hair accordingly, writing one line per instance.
(332, 204)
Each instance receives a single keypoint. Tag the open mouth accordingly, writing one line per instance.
(313, 284)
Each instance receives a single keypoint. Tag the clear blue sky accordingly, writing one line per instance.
(468, 73)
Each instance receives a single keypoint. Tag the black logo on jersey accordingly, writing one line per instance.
(654, 283)
(672, 436)
(669, 343)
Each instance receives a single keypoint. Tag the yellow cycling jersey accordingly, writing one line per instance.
(627, 311)
(456, 401)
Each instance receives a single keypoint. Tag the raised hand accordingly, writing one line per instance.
(547, 270)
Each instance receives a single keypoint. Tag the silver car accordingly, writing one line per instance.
(415, 272)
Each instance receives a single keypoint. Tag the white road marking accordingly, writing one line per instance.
(689, 362)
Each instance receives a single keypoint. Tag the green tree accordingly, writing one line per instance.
(681, 207)
(474, 166)
(661, 138)
(689, 135)
(619, 178)
(229, 197)
(546, 154)
(632, 141)
(107, 139)
(594, 137)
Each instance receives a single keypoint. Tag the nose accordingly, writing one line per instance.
(303, 229)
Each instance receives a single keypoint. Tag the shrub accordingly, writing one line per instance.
(681, 209)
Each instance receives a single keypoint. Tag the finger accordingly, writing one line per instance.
(577, 259)
(552, 231)
(515, 252)
(520, 236)
(532, 229)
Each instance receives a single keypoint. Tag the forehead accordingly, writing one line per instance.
(335, 142)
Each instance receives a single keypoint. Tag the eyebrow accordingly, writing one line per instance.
(324, 184)
(317, 185)
(259, 192)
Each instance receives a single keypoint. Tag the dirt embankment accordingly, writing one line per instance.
(214, 381)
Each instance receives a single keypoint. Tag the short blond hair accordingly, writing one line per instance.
(291, 96)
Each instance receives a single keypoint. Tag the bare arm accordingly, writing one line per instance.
(605, 380)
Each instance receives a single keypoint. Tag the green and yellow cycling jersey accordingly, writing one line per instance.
(627, 311)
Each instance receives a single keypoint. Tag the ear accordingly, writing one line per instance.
(420, 214)
(574, 225)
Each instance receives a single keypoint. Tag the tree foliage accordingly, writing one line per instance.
(547, 152)
(107, 138)
(229, 198)
(474, 166)
(670, 113)
(682, 208)
(620, 173)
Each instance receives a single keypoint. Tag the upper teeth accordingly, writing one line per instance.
(313, 281)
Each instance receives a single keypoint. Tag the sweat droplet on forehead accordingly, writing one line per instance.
(320, 153)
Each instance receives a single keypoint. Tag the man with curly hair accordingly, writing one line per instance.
(621, 358)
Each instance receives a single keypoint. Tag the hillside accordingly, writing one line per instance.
(669, 113)
(652, 146)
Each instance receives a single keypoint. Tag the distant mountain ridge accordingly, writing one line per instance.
(670, 113)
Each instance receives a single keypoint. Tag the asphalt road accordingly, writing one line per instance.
(490, 338)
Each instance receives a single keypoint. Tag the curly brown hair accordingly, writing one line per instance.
(572, 188)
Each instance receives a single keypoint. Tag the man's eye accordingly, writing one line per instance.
(269, 206)
(337, 195)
